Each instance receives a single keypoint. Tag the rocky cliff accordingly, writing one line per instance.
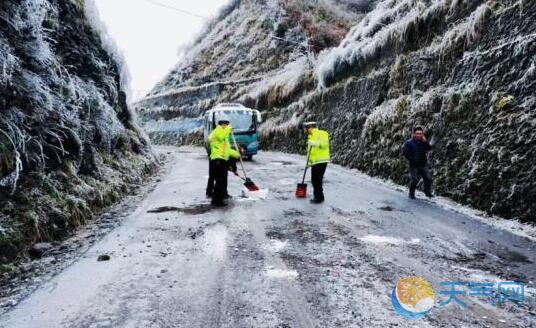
(465, 70)
(69, 146)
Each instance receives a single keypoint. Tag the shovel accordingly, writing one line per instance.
(301, 190)
(250, 185)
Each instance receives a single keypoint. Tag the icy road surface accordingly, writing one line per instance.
(281, 262)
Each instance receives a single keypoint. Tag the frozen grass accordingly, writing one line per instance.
(288, 120)
(386, 28)
(60, 108)
(280, 125)
(12, 178)
(281, 84)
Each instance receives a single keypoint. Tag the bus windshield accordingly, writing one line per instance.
(241, 121)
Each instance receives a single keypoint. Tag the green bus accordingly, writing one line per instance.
(245, 122)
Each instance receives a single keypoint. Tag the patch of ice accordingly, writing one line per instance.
(277, 245)
(215, 243)
(254, 195)
(281, 274)
(287, 182)
(374, 239)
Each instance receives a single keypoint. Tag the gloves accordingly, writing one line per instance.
(312, 144)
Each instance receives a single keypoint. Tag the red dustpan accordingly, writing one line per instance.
(301, 189)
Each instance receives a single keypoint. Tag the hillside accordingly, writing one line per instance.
(69, 146)
(465, 70)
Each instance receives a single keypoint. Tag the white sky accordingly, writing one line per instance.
(150, 35)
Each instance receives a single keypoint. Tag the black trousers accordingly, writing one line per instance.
(211, 178)
(220, 168)
(211, 175)
(317, 177)
(416, 173)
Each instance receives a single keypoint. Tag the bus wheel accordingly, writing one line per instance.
(249, 157)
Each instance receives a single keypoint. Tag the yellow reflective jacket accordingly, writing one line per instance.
(220, 144)
(318, 142)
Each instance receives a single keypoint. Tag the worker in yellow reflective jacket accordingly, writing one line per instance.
(220, 152)
(319, 157)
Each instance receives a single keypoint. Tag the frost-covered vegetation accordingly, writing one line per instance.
(393, 26)
(64, 119)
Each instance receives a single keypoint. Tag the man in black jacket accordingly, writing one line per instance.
(415, 151)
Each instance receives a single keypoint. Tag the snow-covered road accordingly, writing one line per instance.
(282, 262)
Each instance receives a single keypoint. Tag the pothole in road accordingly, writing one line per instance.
(192, 210)
(297, 230)
(386, 208)
(293, 212)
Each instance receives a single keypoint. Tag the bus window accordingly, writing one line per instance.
(242, 121)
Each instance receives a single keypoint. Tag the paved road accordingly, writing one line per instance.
(281, 262)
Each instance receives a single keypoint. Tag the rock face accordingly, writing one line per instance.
(68, 141)
(465, 70)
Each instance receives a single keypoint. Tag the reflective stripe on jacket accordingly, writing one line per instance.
(319, 143)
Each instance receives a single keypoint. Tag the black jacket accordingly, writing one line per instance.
(415, 151)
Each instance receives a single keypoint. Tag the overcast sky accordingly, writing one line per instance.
(150, 35)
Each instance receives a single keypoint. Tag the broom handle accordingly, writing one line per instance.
(306, 164)
(239, 156)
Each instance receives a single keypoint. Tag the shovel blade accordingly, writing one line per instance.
(250, 185)
(301, 190)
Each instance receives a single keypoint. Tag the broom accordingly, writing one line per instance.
(248, 183)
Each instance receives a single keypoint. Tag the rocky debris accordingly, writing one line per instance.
(386, 208)
(103, 258)
(40, 249)
(193, 210)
